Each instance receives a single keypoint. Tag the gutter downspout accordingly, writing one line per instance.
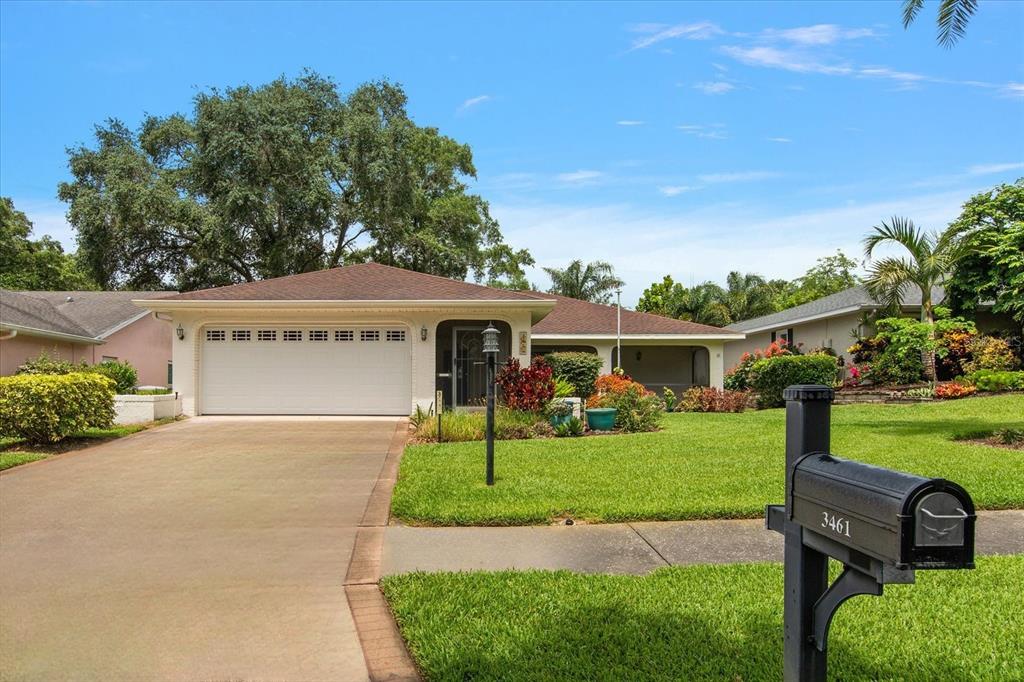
(11, 335)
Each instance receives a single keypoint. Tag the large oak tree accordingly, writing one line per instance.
(284, 178)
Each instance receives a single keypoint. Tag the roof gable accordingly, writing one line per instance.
(97, 312)
(28, 312)
(360, 282)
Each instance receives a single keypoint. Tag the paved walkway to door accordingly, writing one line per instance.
(211, 549)
(631, 548)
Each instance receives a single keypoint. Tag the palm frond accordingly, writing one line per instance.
(887, 278)
(953, 18)
(897, 230)
(910, 10)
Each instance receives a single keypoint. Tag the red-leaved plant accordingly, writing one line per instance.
(953, 389)
(529, 389)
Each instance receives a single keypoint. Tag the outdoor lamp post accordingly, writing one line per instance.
(618, 328)
(491, 353)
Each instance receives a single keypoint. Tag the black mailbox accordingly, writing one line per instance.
(898, 518)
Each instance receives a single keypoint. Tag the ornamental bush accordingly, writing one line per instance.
(989, 380)
(990, 352)
(710, 399)
(770, 376)
(953, 389)
(609, 387)
(579, 369)
(123, 375)
(47, 408)
(529, 389)
(45, 364)
(738, 378)
(637, 409)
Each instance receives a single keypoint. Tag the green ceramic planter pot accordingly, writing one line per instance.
(558, 419)
(601, 418)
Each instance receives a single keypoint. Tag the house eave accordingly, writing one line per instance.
(121, 325)
(638, 337)
(48, 334)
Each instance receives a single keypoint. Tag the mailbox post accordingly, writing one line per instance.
(880, 524)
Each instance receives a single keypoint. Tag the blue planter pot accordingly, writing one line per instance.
(601, 418)
(557, 420)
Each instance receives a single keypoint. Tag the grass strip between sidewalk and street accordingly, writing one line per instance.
(703, 623)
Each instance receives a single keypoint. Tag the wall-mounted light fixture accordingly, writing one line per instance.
(639, 355)
(181, 332)
(423, 333)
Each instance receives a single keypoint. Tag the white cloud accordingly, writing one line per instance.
(676, 190)
(474, 101)
(819, 34)
(789, 60)
(1013, 90)
(711, 132)
(742, 176)
(701, 30)
(780, 140)
(705, 243)
(629, 123)
(580, 176)
(715, 87)
(990, 168)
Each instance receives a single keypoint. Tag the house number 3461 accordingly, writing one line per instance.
(837, 524)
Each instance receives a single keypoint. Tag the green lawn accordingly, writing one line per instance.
(701, 466)
(14, 451)
(703, 623)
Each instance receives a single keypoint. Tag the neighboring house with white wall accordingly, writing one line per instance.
(85, 326)
(828, 322)
(372, 339)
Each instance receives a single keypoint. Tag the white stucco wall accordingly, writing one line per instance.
(188, 356)
(833, 332)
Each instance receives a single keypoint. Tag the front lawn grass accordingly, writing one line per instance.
(703, 623)
(701, 466)
(15, 451)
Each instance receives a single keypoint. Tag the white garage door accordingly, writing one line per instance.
(280, 369)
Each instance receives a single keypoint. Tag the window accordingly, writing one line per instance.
(344, 335)
(241, 335)
(318, 335)
(216, 335)
(170, 374)
(292, 335)
(396, 335)
(266, 335)
(369, 335)
(108, 358)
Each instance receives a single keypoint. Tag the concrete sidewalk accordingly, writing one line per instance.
(629, 548)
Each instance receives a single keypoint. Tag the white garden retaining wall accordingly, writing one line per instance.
(139, 409)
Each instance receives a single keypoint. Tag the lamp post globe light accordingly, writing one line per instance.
(490, 350)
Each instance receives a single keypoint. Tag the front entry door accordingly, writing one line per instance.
(470, 370)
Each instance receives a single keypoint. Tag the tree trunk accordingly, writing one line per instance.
(928, 356)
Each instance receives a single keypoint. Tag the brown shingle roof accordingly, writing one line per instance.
(28, 312)
(575, 317)
(97, 312)
(361, 282)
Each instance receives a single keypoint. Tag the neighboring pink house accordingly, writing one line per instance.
(85, 325)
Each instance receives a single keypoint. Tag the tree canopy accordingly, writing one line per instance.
(952, 18)
(279, 179)
(594, 282)
(829, 275)
(39, 264)
(991, 225)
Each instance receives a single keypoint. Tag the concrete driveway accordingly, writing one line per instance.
(212, 549)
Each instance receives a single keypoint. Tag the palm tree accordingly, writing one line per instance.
(748, 296)
(952, 19)
(704, 304)
(593, 282)
(932, 257)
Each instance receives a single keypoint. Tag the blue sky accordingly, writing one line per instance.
(689, 139)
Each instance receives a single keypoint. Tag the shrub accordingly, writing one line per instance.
(528, 389)
(990, 352)
(559, 408)
(579, 369)
(45, 364)
(866, 350)
(989, 380)
(669, 396)
(48, 408)
(919, 393)
(958, 344)
(770, 376)
(123, 374)
(897, 368)
(457, 427)
(637, 409)
(563, 389)
(709, 399)
(570, 429)
(608, 387)
(953, 389)
(738, 378)
(1010, 436)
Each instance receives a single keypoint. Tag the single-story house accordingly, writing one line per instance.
(89, 326)
(835, 321)
(371, 339)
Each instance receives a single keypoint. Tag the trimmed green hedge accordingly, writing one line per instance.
(579, 369)
(770, 376)
(45, 408)
(122, 373)
(995, 380)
